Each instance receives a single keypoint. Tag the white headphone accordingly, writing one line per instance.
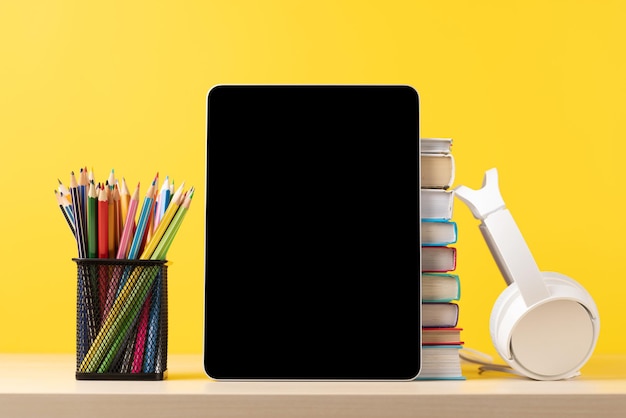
(544, 325)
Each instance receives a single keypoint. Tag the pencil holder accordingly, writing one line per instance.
(121, 319)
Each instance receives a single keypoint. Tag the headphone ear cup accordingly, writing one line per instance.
(498, 332)
(551, 339)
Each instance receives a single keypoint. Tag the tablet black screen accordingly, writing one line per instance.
(312, 233)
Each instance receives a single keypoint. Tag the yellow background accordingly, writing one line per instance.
(534, 88)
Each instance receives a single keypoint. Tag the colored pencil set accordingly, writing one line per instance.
(122, 272)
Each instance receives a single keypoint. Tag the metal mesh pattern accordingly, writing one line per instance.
(121, 326)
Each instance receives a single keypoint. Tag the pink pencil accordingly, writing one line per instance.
(129, 224)
(140, 340)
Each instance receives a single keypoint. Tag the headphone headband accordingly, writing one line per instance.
(504, 239)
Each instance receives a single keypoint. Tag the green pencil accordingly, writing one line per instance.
(166, 241)
(92, 222)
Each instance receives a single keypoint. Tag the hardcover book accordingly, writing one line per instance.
(440, 287)
(441, 362)
(438, 259)
(440, 315)
(442, 336)
(438, 232)
(436, 204)
(438, 171)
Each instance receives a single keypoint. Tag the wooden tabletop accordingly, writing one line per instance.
(35, 385)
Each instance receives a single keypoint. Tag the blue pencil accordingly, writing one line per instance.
(144, 217)
(152, 335)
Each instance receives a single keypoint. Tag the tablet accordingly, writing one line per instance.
(312, 245)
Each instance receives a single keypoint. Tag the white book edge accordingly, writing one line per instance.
(433, 145)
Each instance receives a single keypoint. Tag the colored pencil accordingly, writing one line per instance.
(92, 221)
(103, 224)
(141, 336)
(152, 332)
(79, 216)
(162, 202)
(102, 248)
(129, 224)
(164, 244)
(165, 222)
(128, 351)
(68, 207)
(64, 191)
(83, 187)
(111, 221)
(117, 208)
(124, 201)
(142, 223)
(150, 225)
(62, 202)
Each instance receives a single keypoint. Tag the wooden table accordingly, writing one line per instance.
(35, 385)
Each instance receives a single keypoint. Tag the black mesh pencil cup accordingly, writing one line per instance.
(121, 319)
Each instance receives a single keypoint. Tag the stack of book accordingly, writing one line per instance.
(441, 337)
